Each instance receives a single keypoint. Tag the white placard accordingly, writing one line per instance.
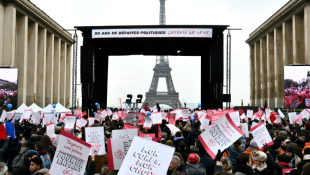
(254, 124)
(117, 150)
(261, 135)
(130, 117)
(3, 116)
(185, 113)
(281, 113)
(146, 157)
(147, 122)
(95, 137)
(292, 116)
(109, 112)
(156, 118)
(220, 135)
(173, 128)
(153, 33)
(115, 116)
(204, 123)
(249, 114)
(278, 120)
(70, 121)
(245, 129)
(71, 155)
(178, 114)
(235, 117)
(80, 123)
(50, 129)
(91, 121)
(124, 133)
(242, 116)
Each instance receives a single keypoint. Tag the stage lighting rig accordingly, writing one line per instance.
(139, 100)
(128, 100)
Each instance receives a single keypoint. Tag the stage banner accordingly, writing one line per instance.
(156, 118)
(153, 33)
(146, 157)
(130, 117)
(261, 135)
(117, 150)
(220, 135)
(235, 117)
(71, 155)
(173, 128)
(249, 114)
(95, 137)
(171, 118)
(50, 129)
(124, 133)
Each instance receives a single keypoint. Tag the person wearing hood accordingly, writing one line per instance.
(235, 149)
(294, 159)
(193, 167)
(223, 165)
(29, 155)
(179, 138)
(305, 160)
(252, 147)
(260, 166)
(194, 134)
(243, 165)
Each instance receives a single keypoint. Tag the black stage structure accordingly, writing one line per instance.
(95, 59)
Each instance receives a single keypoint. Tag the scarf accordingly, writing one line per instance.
(261, 166)
(284, 164)
(292, 161)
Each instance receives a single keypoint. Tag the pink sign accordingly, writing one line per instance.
(261, 135)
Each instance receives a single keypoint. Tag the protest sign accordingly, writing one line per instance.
(292, 116)
(104, 114)
(36, 118)
(245, 129)
(71, 155)
(171, 118)
(3, 116)
(156, 118)
(261, 135)
(62, 116)
(80, 123)
(204, 123)
(242, 116)
(109, 112)
(27, 114)
(70, 121)
(185, 113)
(278, 120)
(115, 116)
(95, 137)
(305, 114)
(140, 118)
(146, 157)
(124, 133)
(281, 113)
(216, 116)
(220, 135)
(130, 117)
(235, 117)
(147, 135)
(178, 114)
(128, 126)
(160, 133)
(173, 128)
(254, 124)
(147, 122)
(13, 113)
(117, 150)
(50, 129)
(91, 121)
(249, 113)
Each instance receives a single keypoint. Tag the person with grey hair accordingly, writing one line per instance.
(3, 169)
(175, 167)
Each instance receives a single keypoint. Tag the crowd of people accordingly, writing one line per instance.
(32, 151)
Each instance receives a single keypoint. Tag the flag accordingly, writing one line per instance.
(10, 131)
(272, 117)
(2, 132)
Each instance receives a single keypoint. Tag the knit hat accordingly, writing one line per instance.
(290, 149)
(275, 145)
(193, 158)
(253, 144)
(32, 140)
(259, 156)
(169, 143)
(31, 153)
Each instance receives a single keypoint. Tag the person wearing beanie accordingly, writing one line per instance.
(260, 166)
(252, 147)
(294, 159)
(193, 166)
(305, 160)
(29, 155)
(169, 143)
(275, 149)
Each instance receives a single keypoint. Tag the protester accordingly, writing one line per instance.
(194, 134)
(205, 159)
(306, 169)
(260, 166)
(35, 165)
(242, 166)
(306, 159)
(183, 150)
(252, 147)
(44, 155)
(294, 159)
(193, 167)
(3, 149)
(29, 155)
(223, 165)
(235, 149)
(301, 140)
(175, 167)
(3, 169)
(179, 138)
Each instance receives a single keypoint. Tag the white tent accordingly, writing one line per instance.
(35, 108)
(21, 108)
(62, 108)
(48, 109)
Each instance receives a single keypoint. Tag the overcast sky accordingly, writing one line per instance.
(134, 75)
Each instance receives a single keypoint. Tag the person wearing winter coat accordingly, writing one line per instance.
(282, 162)
(260, 166)
(206, 160)
(252, 147)
(193, 166)
(3, 149)
(242, 166)
(294, 159)
(15, 149)
(175, 167)
(223, 165)
(305, 160)
(235, 149)
(194, 134)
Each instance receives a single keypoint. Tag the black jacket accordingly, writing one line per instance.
(263, 172)
(245, 169)
(301, 164)
(176, 142)
(192, 136)
(300, 143)
(207, 162)
(13, 152)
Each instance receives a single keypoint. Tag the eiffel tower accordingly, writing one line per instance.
(162, 70)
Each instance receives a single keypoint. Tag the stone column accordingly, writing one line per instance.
(263, 70)
(270, 71)
(49, 69)
(9, 35)
(287, 42)
(278, 66)
(307, 32)
(68, 74)
(21, 57)
(252, 72)
(32, 61)
(41, 78)
(257, 74)
(56, 78)
(1, 30)
(63, 73)
(298, 39)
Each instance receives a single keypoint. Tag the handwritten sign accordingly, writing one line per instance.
(71, 155)
(117, 150)
(146, 157)
(220, 135)
(50, 129)
(124, 133)
(156, 118)
(261, 135)
(95, 137)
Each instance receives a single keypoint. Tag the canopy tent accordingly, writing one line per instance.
(62, 108)
(35, 108)
(21, 108)
(49, 108)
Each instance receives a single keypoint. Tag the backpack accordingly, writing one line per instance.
(46, 161)
(18, 162)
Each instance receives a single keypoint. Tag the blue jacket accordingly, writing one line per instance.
(234, 153)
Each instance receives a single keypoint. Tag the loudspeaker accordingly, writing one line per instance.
(217, 63)
(87, 61)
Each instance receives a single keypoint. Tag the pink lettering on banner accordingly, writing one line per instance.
(67, 172)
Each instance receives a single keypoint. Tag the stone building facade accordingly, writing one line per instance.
(281, 40)
(41, 50)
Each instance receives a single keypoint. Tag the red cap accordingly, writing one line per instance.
(193, 158)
